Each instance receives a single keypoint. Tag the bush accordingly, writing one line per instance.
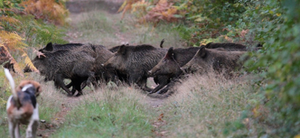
(278, 28)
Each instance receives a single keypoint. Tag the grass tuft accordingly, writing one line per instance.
(109, 113)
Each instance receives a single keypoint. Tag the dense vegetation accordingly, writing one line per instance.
(274, 23)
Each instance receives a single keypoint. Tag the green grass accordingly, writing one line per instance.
(108, 114)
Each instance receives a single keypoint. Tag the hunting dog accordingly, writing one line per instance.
(22, 107)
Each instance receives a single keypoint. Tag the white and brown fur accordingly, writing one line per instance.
(22, 107)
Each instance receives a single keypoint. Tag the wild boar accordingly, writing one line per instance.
(135, 61)
(53, 47)
(170, 65)
(212, 60)
(66, 64)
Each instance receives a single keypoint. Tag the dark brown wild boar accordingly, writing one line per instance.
(66, 64)
(99, 52)
(135, 61)
(212, 60)
(171, 63)
(53, 47)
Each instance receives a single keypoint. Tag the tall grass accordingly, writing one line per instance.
(203, 105)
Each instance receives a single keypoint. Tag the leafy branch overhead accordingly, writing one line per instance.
(20, 26)
(152, 12)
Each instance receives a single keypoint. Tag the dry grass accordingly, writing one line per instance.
(100, 27)
(201, 107)
(203, 104)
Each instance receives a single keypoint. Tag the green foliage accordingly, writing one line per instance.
(274, 23)
(38, 33)
(280, 59)
(206, 19)
(277, 25)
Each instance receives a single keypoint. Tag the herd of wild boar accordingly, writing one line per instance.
(88, 64)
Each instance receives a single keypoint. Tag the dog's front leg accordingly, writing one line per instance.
(17, 131)
(11, 127)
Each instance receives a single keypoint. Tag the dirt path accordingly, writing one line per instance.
(109, 8)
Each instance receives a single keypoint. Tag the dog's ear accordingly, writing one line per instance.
(38, 87)
(38, 91)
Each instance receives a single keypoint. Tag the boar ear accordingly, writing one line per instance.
(49, 47)
(170, 53)
(122, 50)
(201, 52)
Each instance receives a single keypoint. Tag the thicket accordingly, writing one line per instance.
(24, 26)
(275, 24)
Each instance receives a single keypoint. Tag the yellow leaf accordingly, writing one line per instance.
(278, 14)
(199, 19)
(271, 12)
(30, 64)
(123, 6)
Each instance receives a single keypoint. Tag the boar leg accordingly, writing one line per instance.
(92, 80)
(59, 82)
(171, 84)
(157, 88)
(143, 85)
(77, 86)
(162, 81)
(140, 81)
(71, 85)
(68, 86)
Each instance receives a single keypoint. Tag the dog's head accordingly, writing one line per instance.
(35, 84)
